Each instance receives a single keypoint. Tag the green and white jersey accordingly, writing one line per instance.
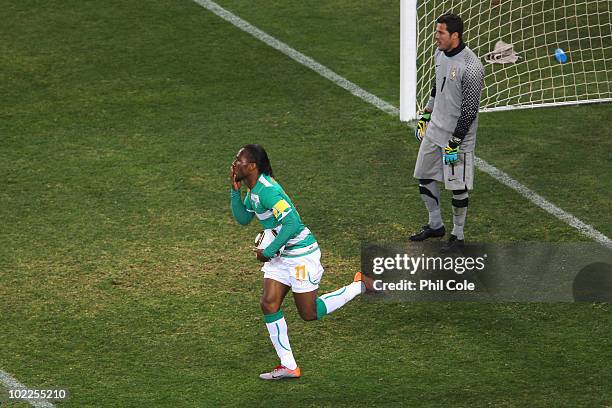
(268, 201)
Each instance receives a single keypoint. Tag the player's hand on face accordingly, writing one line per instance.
(235, 184)
(260, 256)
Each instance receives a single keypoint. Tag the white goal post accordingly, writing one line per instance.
(535, 29)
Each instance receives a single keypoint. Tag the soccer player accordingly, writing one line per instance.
(447, 131)
(298, 267)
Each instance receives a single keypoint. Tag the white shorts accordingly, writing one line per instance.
(301, 274)
(456, 176)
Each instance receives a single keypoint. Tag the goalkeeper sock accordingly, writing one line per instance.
(460, 204)
(277, 328)
(333, 301)
(430, 193)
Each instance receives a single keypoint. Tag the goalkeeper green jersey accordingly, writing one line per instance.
(268, 202)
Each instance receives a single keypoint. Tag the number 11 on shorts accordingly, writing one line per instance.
(300, 272)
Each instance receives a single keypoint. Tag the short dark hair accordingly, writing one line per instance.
(260, 158)
(453, 22)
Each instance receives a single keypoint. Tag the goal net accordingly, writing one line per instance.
(534, 30)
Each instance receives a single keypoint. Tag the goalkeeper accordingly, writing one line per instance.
(297, 268)
(447, 131)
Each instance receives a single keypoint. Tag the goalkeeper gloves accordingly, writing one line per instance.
(450, 155)
(419, 132)
(451, 152)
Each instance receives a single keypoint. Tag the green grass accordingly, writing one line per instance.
(124, 278)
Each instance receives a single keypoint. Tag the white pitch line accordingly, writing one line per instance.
(541, 202)
(299, 57)
(356, 90)
(12, 383)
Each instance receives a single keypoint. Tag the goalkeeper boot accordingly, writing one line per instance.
(428, 232)
(281, 372)
(368, 283)
(454, 245)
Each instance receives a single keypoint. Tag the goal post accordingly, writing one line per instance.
(535, 30)
(408, 59)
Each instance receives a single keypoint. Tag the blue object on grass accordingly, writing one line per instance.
(560, 55)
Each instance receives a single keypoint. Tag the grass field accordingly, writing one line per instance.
(124, 278)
